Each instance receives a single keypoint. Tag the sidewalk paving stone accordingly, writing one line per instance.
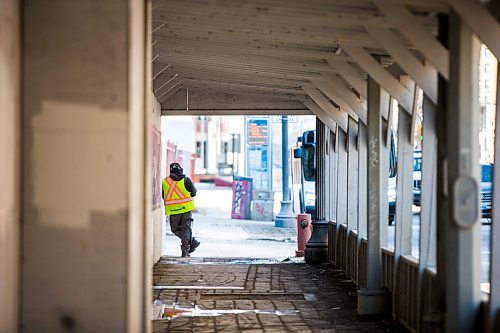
(312, 296)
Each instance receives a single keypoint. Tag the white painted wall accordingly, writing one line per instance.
(9, 164)
(85, 204)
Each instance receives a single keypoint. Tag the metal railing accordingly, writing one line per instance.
(407, 292)
(342, 247)
(362, 262)
(349, 253)
(388, 269)
(332, 236)
(352, 256)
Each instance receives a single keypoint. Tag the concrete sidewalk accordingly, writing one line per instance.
(221, 236)
(224, 295)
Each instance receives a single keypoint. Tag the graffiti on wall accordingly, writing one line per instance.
(156, 152)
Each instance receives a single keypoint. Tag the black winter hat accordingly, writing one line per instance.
(175, 168)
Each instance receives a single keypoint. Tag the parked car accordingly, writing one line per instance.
(486, 189)
(391, 198)
(417, 177)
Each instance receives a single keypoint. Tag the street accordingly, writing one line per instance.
(485, 242)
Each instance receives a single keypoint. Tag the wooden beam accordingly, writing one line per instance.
(350, 74)
(339, 116)
(250, 48)
(320, 113)
(424, 75)
(332, 94)
(253, 88)
(481, 21)
(409, 27)
(235, 112)
(381, 75)
(356, 103)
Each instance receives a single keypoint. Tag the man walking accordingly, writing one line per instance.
(178, 192)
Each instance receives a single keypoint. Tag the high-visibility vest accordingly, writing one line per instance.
(177, 199)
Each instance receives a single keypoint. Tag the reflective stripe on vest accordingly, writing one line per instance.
(177, 200)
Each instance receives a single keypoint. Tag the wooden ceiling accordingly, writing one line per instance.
(234, 56)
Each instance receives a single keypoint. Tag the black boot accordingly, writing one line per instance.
(185, 254)
(194, 244)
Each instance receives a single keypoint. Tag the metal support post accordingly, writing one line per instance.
(286, 217)
(428, 199)
(494, 306)
(373, 299)
(463, 256)
(316, 251)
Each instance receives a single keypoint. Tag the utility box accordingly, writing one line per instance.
(262, 205)
(262, 210)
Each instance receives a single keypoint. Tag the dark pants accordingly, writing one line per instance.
(180, 224)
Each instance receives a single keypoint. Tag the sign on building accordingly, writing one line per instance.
(258, 154)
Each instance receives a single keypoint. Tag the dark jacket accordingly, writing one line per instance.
(187, 183)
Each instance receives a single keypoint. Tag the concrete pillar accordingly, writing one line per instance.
(10, 167)
(85, 207)
(463, 259)
(373, 299)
